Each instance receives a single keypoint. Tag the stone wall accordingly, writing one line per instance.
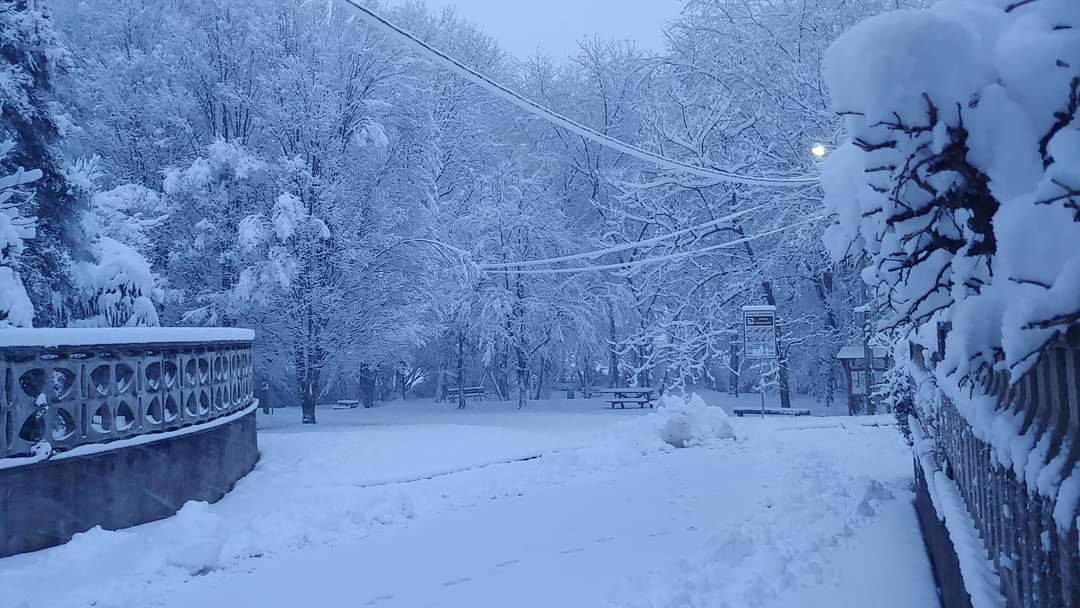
(46, 503)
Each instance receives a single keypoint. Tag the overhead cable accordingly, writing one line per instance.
(660, 259)
(588, 255)
(471, 75)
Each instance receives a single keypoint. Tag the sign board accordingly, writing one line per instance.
(759, 332)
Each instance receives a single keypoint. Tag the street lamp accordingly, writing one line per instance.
(819, 151)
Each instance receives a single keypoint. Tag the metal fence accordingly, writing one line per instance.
(69, 396)
(1038, 562)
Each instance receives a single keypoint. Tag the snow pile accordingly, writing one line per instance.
(690, 422)
(960, 183)
(677, 423)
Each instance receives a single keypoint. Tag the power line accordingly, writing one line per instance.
(663, 258)
(553, 117)
(624, 247)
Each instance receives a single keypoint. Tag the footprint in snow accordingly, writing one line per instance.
(509, 562)
(457, 581)
(379, 599)
(574, 550)
(606, 539)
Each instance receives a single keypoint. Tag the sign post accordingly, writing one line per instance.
(759, 338)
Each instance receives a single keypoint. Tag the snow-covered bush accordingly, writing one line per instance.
(961, 178)
(117, 287)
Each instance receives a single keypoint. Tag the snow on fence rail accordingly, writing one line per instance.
(62, 388)
(1018, 476)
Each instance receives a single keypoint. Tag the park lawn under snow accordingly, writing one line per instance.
(418, 504)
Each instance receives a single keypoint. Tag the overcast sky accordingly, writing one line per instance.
(522, 26)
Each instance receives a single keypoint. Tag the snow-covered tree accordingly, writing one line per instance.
(211, 196)
(30, 56)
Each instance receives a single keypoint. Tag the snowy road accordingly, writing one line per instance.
(795, 513)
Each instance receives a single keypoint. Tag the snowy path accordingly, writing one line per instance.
(796, 513)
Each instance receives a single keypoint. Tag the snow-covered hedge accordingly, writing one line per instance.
(960, 180)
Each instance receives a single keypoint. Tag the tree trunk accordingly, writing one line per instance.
(309, 396)
(461, 370)
(783, 376)
(540, 380)
(613, 353)
(523, 378)
(736, 365)
(367, 384)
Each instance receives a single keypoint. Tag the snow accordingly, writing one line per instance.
(979, 576)
(90, 336)
(858, 352)
(563, 504)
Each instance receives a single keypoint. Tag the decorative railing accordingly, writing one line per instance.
(71, 387)
(1037, 560)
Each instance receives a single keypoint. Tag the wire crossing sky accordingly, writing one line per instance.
(657, 259)
(625, 246)
(458, 68)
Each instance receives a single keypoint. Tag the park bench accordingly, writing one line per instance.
(346, 404)
(756, 411)
(470, 392)
(621, 397)
(574, 391)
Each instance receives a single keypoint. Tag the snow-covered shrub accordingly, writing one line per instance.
(960, 180)
(117, 287)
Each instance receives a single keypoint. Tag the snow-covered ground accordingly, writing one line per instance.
(564, 504)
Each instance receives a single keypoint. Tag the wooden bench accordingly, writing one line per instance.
(622, 397)
(756, 411)
(471, 392)
(346, 404)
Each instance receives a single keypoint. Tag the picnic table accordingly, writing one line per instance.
(346, 404)
(621, 397)
(471, 392)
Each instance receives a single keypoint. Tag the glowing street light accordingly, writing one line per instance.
(819, 151)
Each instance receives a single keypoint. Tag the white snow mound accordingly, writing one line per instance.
(680, 423)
